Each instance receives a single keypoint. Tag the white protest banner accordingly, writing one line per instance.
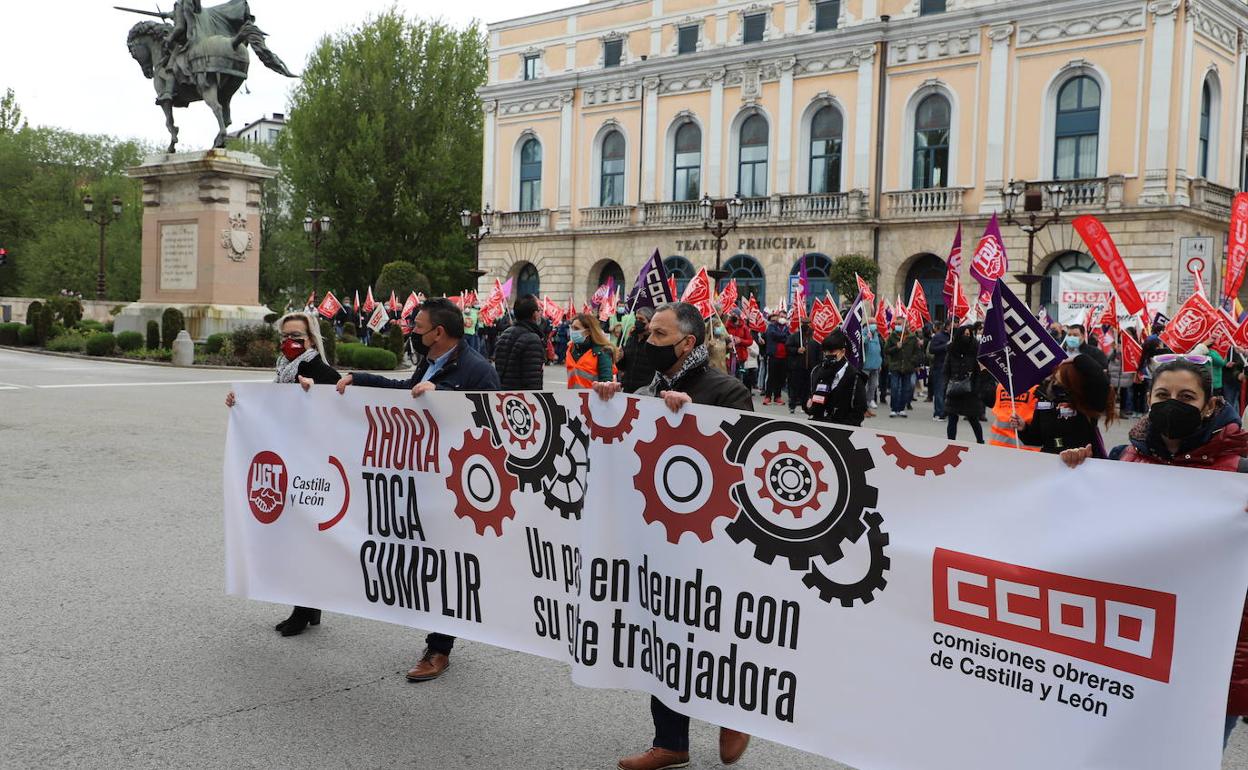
(1077, 292)
(807, 584)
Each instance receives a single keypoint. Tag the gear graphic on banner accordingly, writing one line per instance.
(831, 524)
(685, 479)
(534, 462)
(481, 483)
(565, 491)
(862, 591)
(937, 465)
(609, 434)
(791, 479)
(518, 418)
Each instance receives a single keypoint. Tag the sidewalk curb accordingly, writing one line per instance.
(166, 364)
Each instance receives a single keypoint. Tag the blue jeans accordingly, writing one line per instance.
(900, 390)
(1230, 726)
(936, 384)
(1230, 391)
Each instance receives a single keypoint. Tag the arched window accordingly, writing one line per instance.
(687, 163)
(749, 275)
(826, 129)
(681, 269)
(531, 175)
(818, 275)
(931, 143)
(528, 281)
(929, 271)
(1067, 262)
(752, 160)
(1078, 128)
(612, 170)
(1210, 106)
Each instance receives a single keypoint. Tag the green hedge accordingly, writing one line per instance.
(9, 333)
(101, 344)
(375, 358)
(26, 335)
(88, 325)
(214, 343)
(71, 342)
(153, 336)
(129, 341)
(346, 353)
(171, 322)
(330, 342)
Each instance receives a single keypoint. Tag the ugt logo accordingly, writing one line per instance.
(266, 489)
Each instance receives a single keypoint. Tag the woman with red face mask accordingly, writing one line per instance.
(301, 361)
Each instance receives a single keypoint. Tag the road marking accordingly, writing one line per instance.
(11, 386)
(141, 384)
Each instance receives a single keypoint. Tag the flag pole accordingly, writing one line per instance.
(1009, 376)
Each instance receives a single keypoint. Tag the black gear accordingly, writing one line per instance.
(842, 521)
(874, 581)
(566, 492)
(530, 471)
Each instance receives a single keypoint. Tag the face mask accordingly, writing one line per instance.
(577, 337)
(621, 310)
(1071, 342)
(899, 329)
(419, 345)
(663, 357)
(292, 349)
(1174, 419)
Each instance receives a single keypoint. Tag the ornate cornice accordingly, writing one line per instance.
(1086, 25)
(963, 42)
(1212, 28)
(612, 93)
(552, 102)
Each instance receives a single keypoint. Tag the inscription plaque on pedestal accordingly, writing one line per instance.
(179, 256)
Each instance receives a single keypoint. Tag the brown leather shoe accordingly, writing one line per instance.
(732, 745)
(655, 758)
(431, 666)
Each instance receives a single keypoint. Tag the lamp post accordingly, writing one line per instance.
(1035, 221)
(477, 228)
(720, 219)
(316, 227)
(102, 219)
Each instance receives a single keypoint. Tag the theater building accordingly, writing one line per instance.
(869, 127)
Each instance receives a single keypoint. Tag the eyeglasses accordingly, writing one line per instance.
(1166, 358)
(294, 336)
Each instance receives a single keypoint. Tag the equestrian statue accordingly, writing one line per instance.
(202, 55)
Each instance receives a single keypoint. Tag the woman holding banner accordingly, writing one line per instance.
(590, 357)
(1068, 407)
(1189, 426)
(301, 361)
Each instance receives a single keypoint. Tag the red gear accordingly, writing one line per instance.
(723, 477)
(609, 434)
(949, 457)
(476, 451)
(817, 485)
(520, 441)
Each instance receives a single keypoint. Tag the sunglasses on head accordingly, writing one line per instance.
(1166, 358)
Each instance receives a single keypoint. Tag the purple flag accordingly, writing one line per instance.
(651, 288)
(1160, 320)
(855, 327)
(989, 263)
(1016, 349)
(803, 280)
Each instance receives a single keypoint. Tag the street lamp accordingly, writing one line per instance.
(1035, 222)
(102, 219)
(720, 218)
(316, 227)
(477, 228)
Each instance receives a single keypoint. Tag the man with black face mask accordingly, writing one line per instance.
(636, 369)
(683, 376)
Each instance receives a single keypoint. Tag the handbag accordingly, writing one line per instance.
(959, 388)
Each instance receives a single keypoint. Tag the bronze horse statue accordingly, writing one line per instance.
(201, 56)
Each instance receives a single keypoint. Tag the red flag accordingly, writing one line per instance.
(824, 318)
(413, 302)
(369, 302)
(953, 270)
(471, 299)
(1132, 353)
(1241, 334)
(728, 298)
(393, 304)
(1110, 318)
(495, 305)
(1192, 325)
(918, 301)
(698, 293)
(1089, 318)
(754, 316)
(356, 304)
(457, 301)
(602, 293)
(1236, 247)
(881, 319)
(864, 288)
(795, 317)
(671, 286)
(586, 309)
(1223, 336)
(961, 305)
(330, 306)
(1101, 247)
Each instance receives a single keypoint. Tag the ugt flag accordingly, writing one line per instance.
(651, 287)
(989, 263)
(1016, 350)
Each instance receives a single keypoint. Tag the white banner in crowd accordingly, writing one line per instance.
(1076, 292)
(893, 602)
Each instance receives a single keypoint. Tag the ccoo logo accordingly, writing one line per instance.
(266, 487)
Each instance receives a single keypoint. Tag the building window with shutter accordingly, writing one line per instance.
(612, 52)
(687, 40)
(826, 14)
(754, 26)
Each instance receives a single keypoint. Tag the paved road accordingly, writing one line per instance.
(118, 647)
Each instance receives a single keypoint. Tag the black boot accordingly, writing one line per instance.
(299, 619)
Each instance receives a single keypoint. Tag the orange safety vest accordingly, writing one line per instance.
(583, 371)
(1024, 405)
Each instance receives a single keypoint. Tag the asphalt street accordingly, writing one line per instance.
(119, 647)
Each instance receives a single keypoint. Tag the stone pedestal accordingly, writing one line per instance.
(201, 241)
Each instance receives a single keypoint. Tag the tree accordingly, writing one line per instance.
(11, 120)
(402, 278)
(843, 270)
(384, 136)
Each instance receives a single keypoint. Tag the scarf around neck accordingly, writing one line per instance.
(697, 359)
(288, 371)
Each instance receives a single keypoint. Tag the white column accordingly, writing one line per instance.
(721, 30)
(569, 57)
(564, 219)
(1156, 166)
(656, 41)
(863, 111)
(715, 140)
(1182, 194)
(1236, 145)
(488, 151)
(998, 79)
(784, 124)
(790, 18)
(650, 140)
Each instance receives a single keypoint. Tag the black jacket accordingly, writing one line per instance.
(813, 351)
(1096, 354)
(962, 365)
(465, 370)
(938, 349)
(636, 371)
(708, 385)
(843, 404)
(519, 357)
(319, 372)
(1056, 427)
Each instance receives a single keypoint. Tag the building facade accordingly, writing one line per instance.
(869, 127)
(262, 131)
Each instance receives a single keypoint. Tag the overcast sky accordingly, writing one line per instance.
(67, 60)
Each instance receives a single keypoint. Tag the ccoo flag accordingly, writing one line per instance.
(1016, 350)
(651, 288)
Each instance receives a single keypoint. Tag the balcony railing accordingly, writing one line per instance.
(1210, 197)
(606, 217)
(672, 213)
(935, 202)
(755, 209)
(509, 222)
(820, 207)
